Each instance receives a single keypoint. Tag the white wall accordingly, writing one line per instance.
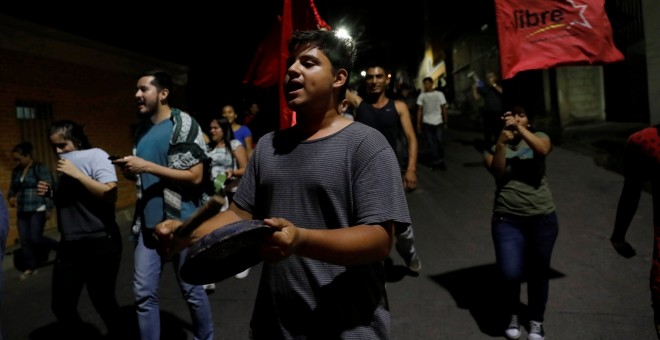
(581, 95)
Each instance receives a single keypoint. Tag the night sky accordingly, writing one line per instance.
(218, 41)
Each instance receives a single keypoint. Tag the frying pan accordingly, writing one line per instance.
(224, 251)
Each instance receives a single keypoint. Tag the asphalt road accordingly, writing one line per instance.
(594, 293)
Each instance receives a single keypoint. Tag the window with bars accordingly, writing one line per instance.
(34, 122)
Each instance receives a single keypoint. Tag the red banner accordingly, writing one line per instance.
(539, 34)
(269, 64)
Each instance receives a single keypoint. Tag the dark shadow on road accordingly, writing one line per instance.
(54, 331)
(477, 289)
(44, 256)
(396, 273)
(172, 328)
(478, 143)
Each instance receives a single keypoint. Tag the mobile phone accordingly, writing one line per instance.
(114, 158)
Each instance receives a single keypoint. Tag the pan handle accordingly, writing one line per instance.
(212, 207)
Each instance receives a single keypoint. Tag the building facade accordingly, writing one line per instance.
(48, 75)
(626, 91)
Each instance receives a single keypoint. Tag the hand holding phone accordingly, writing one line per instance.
(114, 158)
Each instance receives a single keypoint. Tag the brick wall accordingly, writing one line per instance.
(84, 81)
(99, 100)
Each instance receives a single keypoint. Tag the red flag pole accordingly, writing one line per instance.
(287, 117)
(320, 23)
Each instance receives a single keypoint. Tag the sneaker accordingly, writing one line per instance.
(536, 331)
(513, 331)
(243, 274)
(26, 274)
(209, 288)
(415, 264)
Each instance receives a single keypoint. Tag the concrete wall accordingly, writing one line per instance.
(81, 80)
(580, 94)
(651, 12)
(473, 52)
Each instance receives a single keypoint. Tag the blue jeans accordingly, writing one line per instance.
(148, 268)
(434, 142)
(523, 247)
(30, 231)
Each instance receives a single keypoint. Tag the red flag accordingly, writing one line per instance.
(287, 117)
(264, 69)
(538, 34)
(269, 63)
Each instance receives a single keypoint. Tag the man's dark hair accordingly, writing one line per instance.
(162, 80)
(379, 64)
(340, 51)
(427, 79)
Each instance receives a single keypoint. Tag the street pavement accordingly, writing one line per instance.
(594, 293)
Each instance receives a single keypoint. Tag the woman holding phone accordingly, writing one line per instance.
(524, 223)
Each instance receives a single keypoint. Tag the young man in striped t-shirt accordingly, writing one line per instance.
(332, 189)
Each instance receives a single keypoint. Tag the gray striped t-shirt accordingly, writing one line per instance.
(349, 178)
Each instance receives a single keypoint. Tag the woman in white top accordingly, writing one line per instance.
(228, 156)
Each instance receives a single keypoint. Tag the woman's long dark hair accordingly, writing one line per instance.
(72, 131)
(227, 132)
(227, 136)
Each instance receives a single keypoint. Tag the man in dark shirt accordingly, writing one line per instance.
(392, 119)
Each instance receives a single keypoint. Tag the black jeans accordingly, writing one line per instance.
(434, 140)
(93, 263)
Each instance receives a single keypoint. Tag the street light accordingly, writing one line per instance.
(342, 33)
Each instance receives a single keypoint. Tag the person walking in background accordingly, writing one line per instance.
(491, 93)
(431, 121)
(90, 248)
(251, 113)
(524, 222)
(168, 167)
(241, 132)
(4, 229)
(259, 122)
(408, 96)
(392, 119)
(228, 161)
(344, 107)
(228, 157)
(32, 210)
(641, 164)
(323, 272)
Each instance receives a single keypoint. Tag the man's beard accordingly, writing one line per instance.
(150, 110)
